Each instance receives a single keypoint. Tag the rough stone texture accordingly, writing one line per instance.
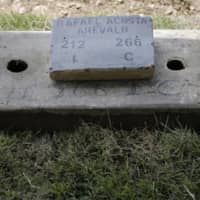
(32, 91)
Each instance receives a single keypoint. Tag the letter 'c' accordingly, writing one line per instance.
(128, 56)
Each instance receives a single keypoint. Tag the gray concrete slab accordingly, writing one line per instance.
(33, 92)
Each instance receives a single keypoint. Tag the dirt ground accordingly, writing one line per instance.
(57, 8)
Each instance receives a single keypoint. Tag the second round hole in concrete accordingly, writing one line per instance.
(175, 65)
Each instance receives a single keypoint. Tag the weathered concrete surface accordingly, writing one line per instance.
(33, 93)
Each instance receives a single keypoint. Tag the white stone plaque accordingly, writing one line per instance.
(117, 47)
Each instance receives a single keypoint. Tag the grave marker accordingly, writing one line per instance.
(102, 48)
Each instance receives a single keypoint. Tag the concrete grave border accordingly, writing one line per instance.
(31, 99)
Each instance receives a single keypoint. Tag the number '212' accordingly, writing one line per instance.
(73, 44)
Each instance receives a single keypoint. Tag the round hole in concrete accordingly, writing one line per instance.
(17, 66)
(175, 65)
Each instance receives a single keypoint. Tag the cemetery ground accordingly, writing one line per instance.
(37, 14)
(100, 164)
(95, 163)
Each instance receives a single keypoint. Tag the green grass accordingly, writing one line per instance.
(32, 22)
(163, 22)
(23, 22)
(96, 163)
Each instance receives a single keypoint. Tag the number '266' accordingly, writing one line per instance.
(128, 42)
